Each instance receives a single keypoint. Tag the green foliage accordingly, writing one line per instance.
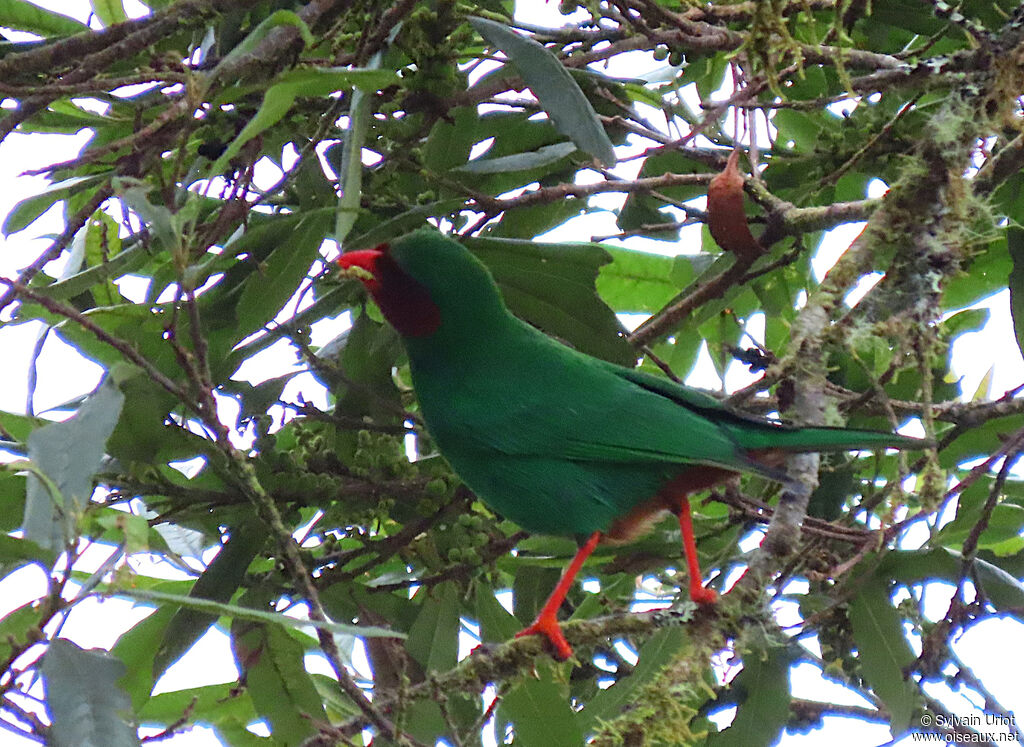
(229, 149)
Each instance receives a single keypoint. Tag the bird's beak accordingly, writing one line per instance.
(362, 264)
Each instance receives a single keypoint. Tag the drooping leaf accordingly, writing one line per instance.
(1015, 281)
(218, 583)
(278, 99)
(520, 162)
(654, 655)
(26, 16)
(85, 703)
(540, 714)
(29, 209)
(434, 637)
(246, 613)
(552, 287)
(276, 680)
(554, 88)
(884, 651)
(764, 698)
(69, 454)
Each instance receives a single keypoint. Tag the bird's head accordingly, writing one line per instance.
(423, 279)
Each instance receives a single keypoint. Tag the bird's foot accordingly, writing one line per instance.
(547, 626)
(702, 595)
(482, 649)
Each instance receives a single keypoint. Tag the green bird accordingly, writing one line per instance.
(555, 440)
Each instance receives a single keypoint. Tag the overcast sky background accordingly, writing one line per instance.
(991, 648)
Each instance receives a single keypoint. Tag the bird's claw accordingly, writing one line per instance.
(548, 627)
(703, 595)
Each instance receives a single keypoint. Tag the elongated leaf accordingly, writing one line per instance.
(109, 11)
(655, 654)
(884, 651)
(278, 100)
(29, 209)
(85, 703)
(218, 583)
(135, 648)
(15, 549)
(552, 287)
(25, 16)
(121, 263)
(1015, 282)
(434, 637)
(15, 627)
(68, 453)
(541, 715)
(554, 87)
(246, 613)
(258, 34)
(267, 289)
(1001, 588)
(544, 156)
(277, 681)
(496, 623)
(980, 440)
(764, 696)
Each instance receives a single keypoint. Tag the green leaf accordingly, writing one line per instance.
(26, 211)
(16, 626)
(258, 34)
(25, 16)
(552, 286)
(218, 583)
(109, 11)
(531, 587)
(14, 550)
(497, 624)
(278, 99)
(369, 352)
(162, 222)
(68, 453)
(764, 698)
(654, 656)
(101, 242)
(543, 156)
(269, 287)
(12, 498)
(1001, 588)
(276, 679)
(434, 636)
(122, 263)
(638, 281)
(210, 704)
(980, 441)
(1015, 281)
(135, 649)
(883, 651)
(554, 87)
(541, 714)
(451, 139)
(85, 703)
(247, 613)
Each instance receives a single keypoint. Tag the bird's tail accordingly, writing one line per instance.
(785, 438)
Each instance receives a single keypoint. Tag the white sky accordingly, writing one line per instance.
(63, 375)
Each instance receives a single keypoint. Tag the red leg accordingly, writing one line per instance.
(698, 593)
(546, 623)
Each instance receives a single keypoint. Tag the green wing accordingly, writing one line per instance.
(757, 433)
(539, 398)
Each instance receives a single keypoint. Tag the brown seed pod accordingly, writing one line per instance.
(726, 219)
